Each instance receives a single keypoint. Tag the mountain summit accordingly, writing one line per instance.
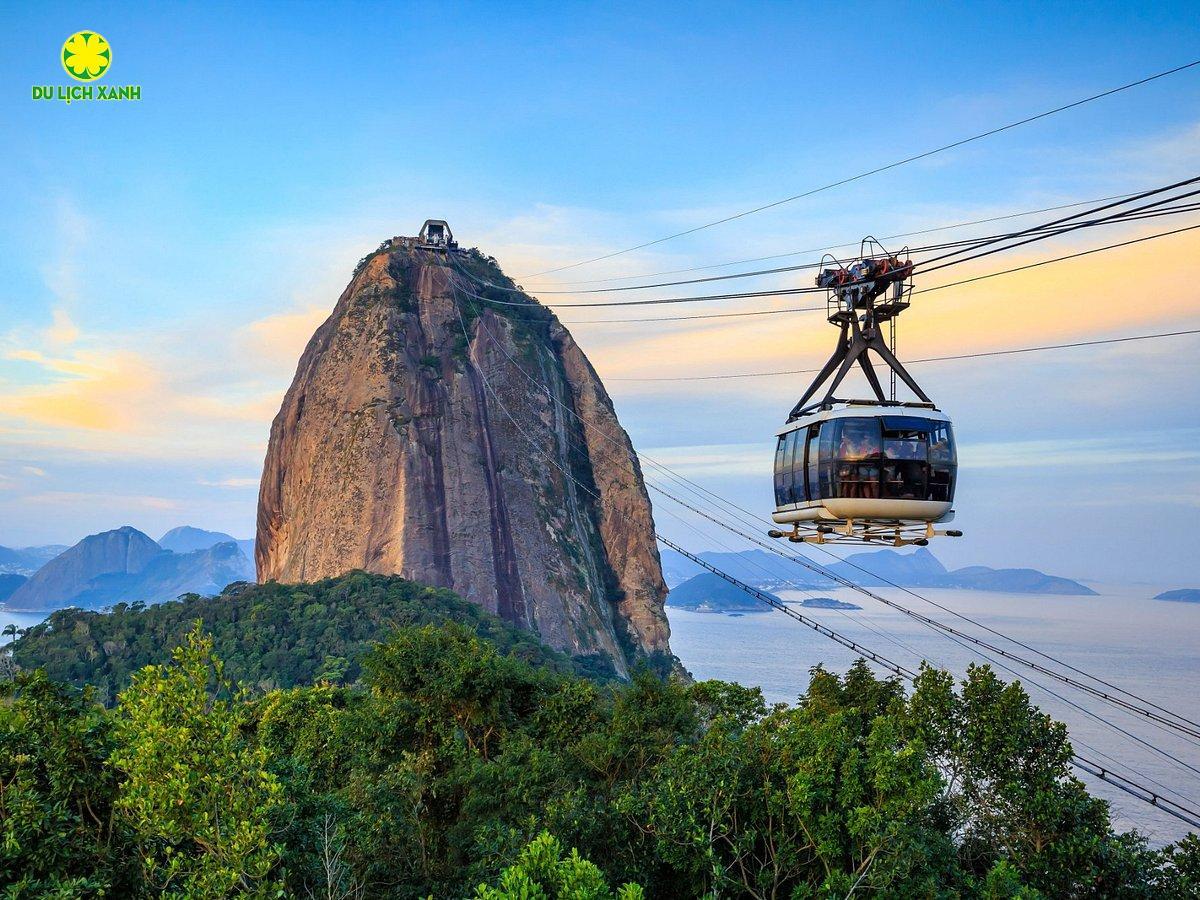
(418, 438)
(126, 565)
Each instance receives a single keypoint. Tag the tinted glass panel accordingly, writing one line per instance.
(779, 448)
(909, 423)
(789, 456)
(814, 455)
(858, 454)
(825, 458)
(906, 463)
(893, 457)
(943, 463)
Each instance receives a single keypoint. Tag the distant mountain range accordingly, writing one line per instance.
(767, 571)
(27, 560)
(707, 592)
(127, 565)
(186, 539)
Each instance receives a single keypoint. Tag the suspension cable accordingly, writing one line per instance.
(929, 359)
(884, 168)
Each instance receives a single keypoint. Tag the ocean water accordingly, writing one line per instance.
(1149, 647)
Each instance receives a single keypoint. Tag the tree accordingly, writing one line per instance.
(1180, 875)
(542, 873)
(57, 834)
(1009, 793)
(824, 799)
(195, 793)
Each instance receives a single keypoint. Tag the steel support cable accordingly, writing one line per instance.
(929, 359)
(1037, 667)
(965, 243)
(1120, 730)
(1134, 789)
(1019, 643)
(815, 567)
(784, 292)
(879, 169)
(929, 290)
(854, 243)
(1035, 236)
(1167, 806)
(821, 570)
(786, 610)
(799, 588)
(1000, 665)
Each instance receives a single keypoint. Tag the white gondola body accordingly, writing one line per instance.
(865, 462)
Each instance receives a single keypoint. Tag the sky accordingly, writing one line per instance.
(164, 261)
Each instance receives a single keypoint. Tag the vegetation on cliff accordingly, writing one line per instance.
(456, 768)
(269, 635)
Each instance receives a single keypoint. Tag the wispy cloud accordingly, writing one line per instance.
(232, 483)
(1093, 453)
(126, 501)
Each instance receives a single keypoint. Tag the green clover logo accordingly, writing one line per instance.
(86, 56)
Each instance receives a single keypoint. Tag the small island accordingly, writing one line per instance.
(827, 603)
(1183, 595)
(709, 593)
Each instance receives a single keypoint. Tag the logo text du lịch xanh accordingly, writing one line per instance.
(86, 56)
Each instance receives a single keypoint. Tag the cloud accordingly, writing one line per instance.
(129, 501)
(234, 483)
(63, 331)
(90, 390)
(280, 338)
(1078, 453)
(711, 459)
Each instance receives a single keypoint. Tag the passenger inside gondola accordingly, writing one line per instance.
(858, 459)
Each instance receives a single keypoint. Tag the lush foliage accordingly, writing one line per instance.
(194, 791)
(456, 769)
(541, 873)
(270, 635)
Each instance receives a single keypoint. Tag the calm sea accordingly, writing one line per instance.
(1148, 647)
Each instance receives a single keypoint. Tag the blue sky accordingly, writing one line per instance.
(163, 262)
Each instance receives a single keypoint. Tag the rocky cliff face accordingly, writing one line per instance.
(418, 438)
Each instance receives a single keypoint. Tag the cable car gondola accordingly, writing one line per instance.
(877, 471)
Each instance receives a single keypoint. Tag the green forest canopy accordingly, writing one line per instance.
(465, 761)
(270, 635)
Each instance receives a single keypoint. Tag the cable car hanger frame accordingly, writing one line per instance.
(852, 303)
